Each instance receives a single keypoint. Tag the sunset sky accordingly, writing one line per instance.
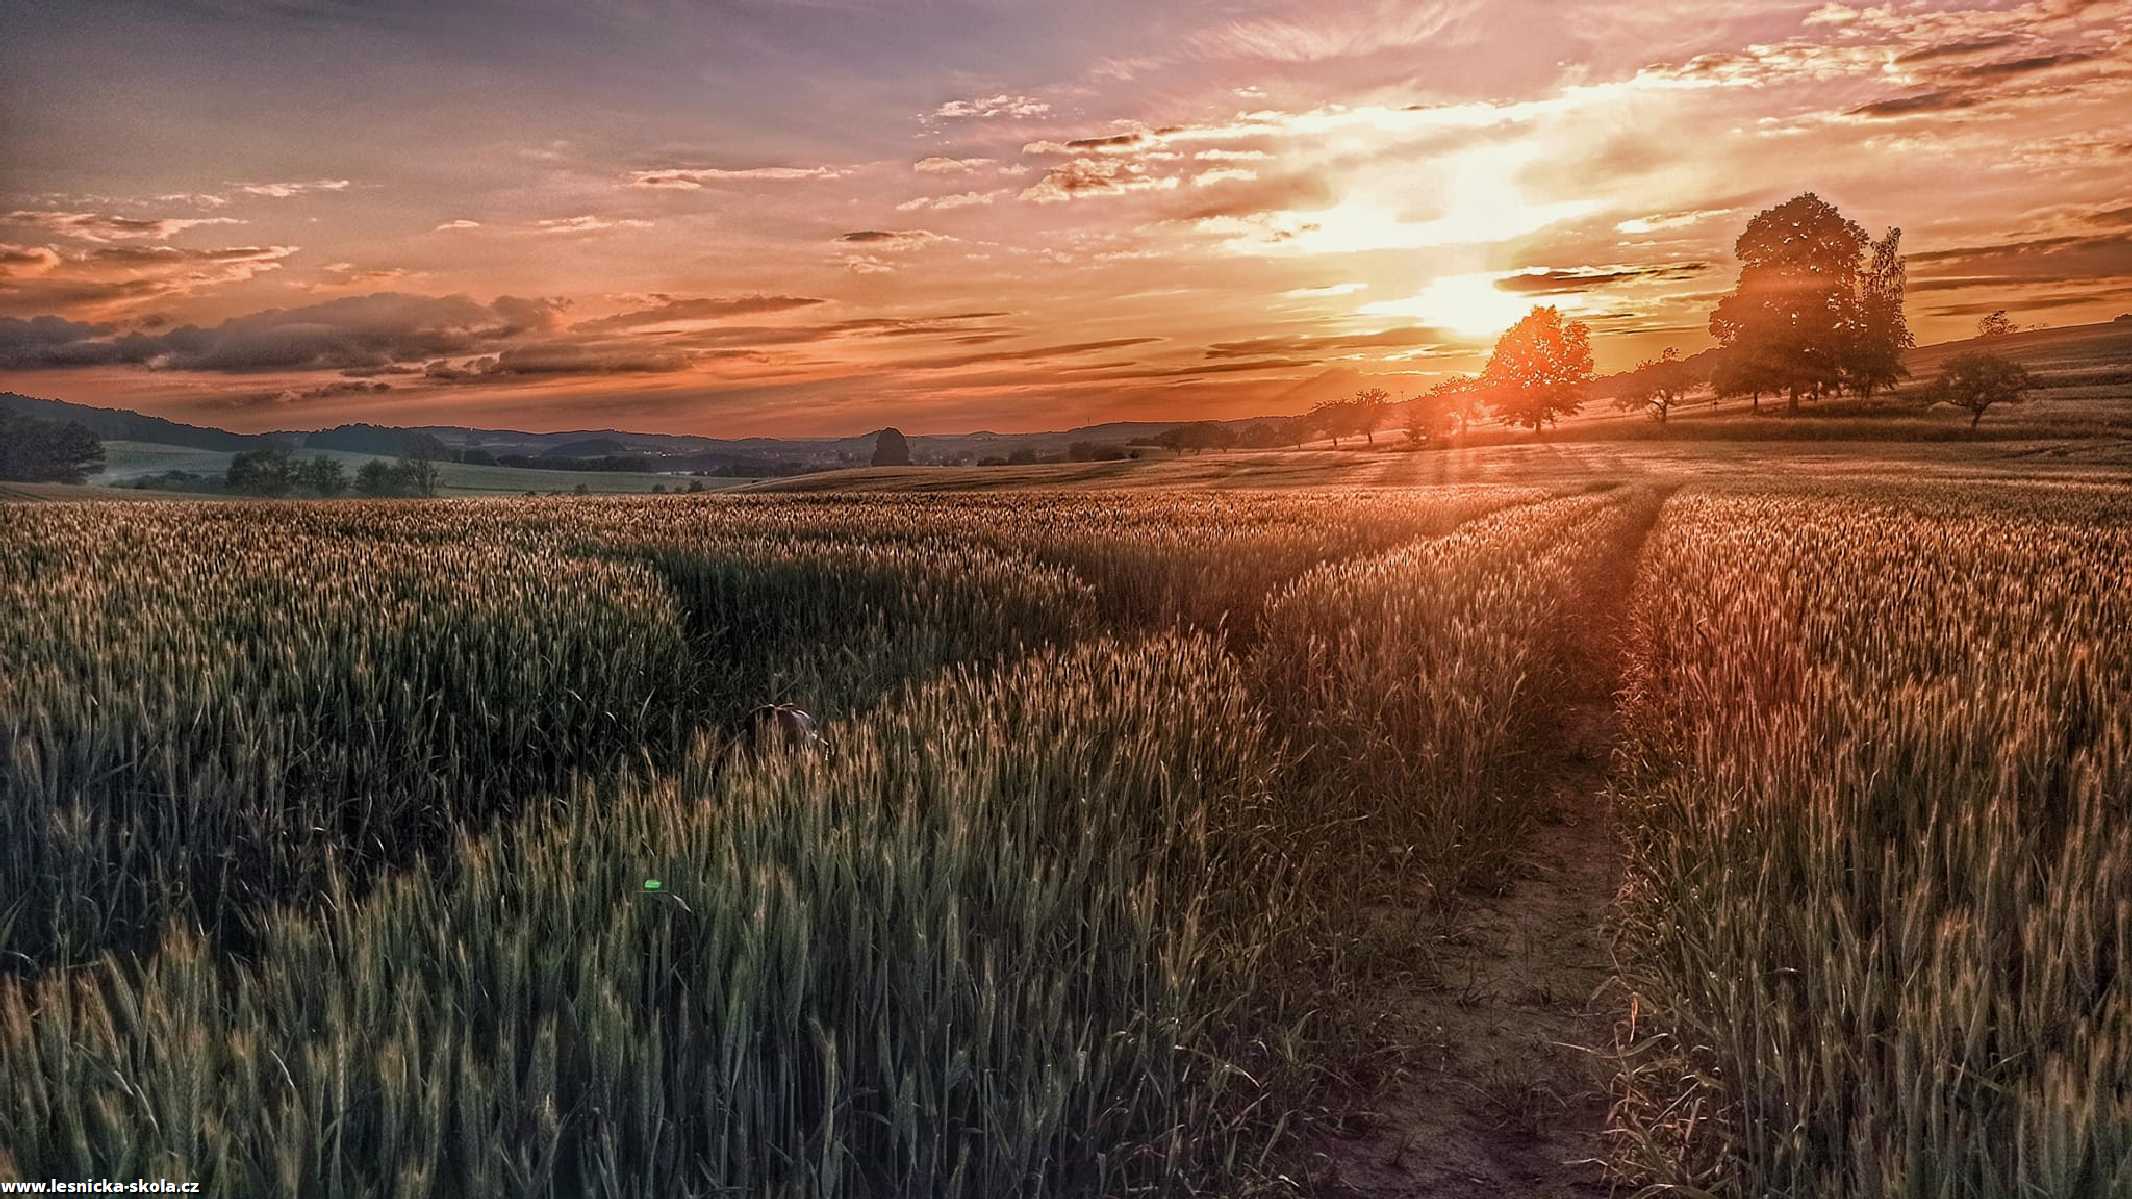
(815, 217)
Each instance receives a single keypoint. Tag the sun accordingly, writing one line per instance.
(1469, 304)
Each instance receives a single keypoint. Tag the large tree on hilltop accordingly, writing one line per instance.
(1539, 369)
(1794, 317)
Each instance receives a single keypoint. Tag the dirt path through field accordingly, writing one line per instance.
(1498, 1098)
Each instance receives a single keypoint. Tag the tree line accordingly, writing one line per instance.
(35, 450)
(1817, 312)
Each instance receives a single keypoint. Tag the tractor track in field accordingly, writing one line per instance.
(1502, 1093)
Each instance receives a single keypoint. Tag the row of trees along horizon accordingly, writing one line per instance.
(1817, 312)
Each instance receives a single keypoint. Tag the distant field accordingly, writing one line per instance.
(126, 461)
(1559, 460)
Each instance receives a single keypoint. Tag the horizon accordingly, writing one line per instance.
(800, 220)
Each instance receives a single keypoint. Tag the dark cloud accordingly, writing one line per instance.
(2099, 256)
(560, 359)
(1551, 282)
(675, 308)
(1029, 354)
(892, 238)
(2023, 66)
(353, 332)
(1902, 106)
(1957, 49)
(1401, 337)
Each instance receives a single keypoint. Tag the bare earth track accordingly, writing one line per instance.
(1501, 1096)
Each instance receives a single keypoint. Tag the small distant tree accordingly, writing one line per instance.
(1021, 457)
(1977, 380)
(44, 451)
(582, 489)
(1366, 412)
(1334, 418)
(695, 487)
(1997, 325)
(1657, 384)
(418, 473)
(1428, 419)
(375, 479)
(264, 472)
(891, 448)
(323, 476)
(1540, 369)
(1457, 397)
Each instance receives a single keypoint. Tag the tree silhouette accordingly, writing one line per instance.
(1875, 359)
(44, 451)
(1978, 379)
(1457, 397)
(1793, 317)
(891, 448)
(1540, 369)
(1997, 325)
(1657, 384)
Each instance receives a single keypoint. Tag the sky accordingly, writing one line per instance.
(819, 217)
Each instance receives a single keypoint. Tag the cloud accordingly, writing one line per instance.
(1002, 105)
(950, 166)
(696, 178)
(1029, 354)
(1095, 177)
(27, 260)
(1330, 289)
(348, 333)
(106, 227)
(1923, 102)
(1569, 281)
(457, 223)
(1961, 49)
(558, 358)
(1116, 143)
(106, 278)
(894, 240)
(1259, 347)
(588, 224)
(673, 309)
(951, 202)
(282, 191)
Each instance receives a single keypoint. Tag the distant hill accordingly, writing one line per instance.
(2070, 357)
(118, 424)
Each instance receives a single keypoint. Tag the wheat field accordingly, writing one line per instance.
(399, 849)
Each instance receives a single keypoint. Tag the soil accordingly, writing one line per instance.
(1501, 1091)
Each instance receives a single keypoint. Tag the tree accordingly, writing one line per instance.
(1875, 357)
(1458, 396)
(1428, 418)
(323, 476)
(1997, 325)
(1332, 418)
(1977, 380)
(1657, 384)
(1795, 313)
(262, 472)
(1366, 412)
(375, 479)
(418, 472)
(45, 451)
(1540, 369)
(891, 448)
